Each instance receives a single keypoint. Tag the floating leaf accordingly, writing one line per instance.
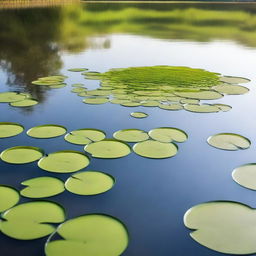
(9, 129)
(46, 131)
(77, 69)
(131, 135)
(204, 108)
(231, 89)
(85, 136)
(8, 198)
(42, 187)
(224, 226)
(223, 107)
(108, 148)
(55, 81)
(89, 183)
(139, 114)
(58, 86)
(31, 220)
(64, 161)
(168, 134)
(200, 95)
(7, 97)
(155, 149)
(131, 104)
(171, 107)
(234, 80)
(245, 176)
(78, 90)
(21, 154)
(95, 100)
(189, 101)
(24, 103)
(150, 103)
(92, 235)
(229, 141)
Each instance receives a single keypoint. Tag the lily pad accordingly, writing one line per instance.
(89, 183)
(8, 97)
(155, 149)
(31, 220)
(24, 103)
(234, 79)
(108, 148)
(50, 80)
(229, 141)
(223, 107)
(200, 95)
(131, 135)
(42, 187)
(224, 226)
(8, 198)
(9, 129)
(231, 89)
(139, 114)
(95, 100)
(78, 90)
(168, 134)
(46, 131)
(204, 108)
(190, 101)
(77, 69)
(85, 136)
(245, 176)
(175, 106)
(64, 161)
(93, 234)
(21, 154)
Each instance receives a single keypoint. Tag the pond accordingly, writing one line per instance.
(149, 196)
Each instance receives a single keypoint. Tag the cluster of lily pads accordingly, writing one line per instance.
(227, 226)
(16, 99)
(166, 87)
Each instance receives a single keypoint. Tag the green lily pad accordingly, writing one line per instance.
(139, 114)
(234, 80)
(131, 104)
(231, 89)
(8, 198)
(46, 131)
(190, 101)
(42, 187)
(85, 136)
(21, 154)
(24, 103)
(64, 161)
(77, 69)
(174, 106)
(155, 149)
(150, 103)
(131, 135)
(245, 176)
(229, 141)
(204, 108)
(77, 85)
(31, 220)
(89, 183)
(168, 134)
(58, 86)
(200, 95)
(9, 129)
(223, 107)
(8, 97)
(98, 92)
(82, 94)
(223, 226)
(108, 148)
(92, 235)
(95, 100)
(78, 90)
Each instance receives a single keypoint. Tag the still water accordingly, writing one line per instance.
(150, 196)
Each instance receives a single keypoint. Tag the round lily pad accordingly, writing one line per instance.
(31, 220)
(131, 104)
(50, 81)
(77, 69)
(21, 154)
(58, 86)
(175, 106)
(8, 129)
(168, 134)
(42, 187)
(204, 108)
(150, 103)
(223, 226)
(131, 135)
(229, 141)
(223, 107)
(89, 183)
(189, 101)
(155, 149)
(78, 90)
(200, 95)
(7, 97)
(231, 89)
(139, 114)
(93, 234)
(46, 131)
(85, 136)
(108, 148)
(95, 100)
(64, 161)
(245, 176)
(8, 198)
(24, 103)
(234, 79)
